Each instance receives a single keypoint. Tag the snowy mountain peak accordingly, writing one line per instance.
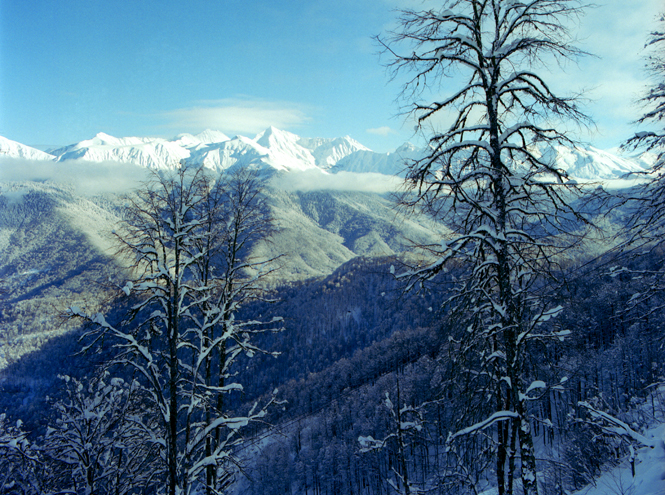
(103, 138)
(328, 152)
(154, 153)
(211, 136)
(278, 150)
(407, 148)
(239, 151)
(284, 151)
(352, 142)
(273, 136)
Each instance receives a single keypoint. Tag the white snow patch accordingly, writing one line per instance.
(649, 471)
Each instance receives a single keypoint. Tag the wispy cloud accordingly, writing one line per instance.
(409, 4)
(315, 180)
(382, 131)
(615, 32)
(87, 178)
(241, 115)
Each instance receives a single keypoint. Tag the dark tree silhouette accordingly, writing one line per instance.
(510, 209)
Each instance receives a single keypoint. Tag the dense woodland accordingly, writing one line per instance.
(524, 353)
(346, 345)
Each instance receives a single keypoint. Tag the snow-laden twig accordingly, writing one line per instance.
(615, 426)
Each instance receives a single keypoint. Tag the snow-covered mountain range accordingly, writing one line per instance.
(272, 149)
(278, 150)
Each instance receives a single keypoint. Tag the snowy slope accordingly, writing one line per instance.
(328, 152)
(271, 150)
(364, 161)
(649, 476)
(17, 150)
(206, 137)
(239, 151)
(319, 230)
(56, 246)
(591, 163)
(55, 249)
(153, 153)
(284, 152)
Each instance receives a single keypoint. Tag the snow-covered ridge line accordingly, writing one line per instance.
(13, 149)
(278, 150)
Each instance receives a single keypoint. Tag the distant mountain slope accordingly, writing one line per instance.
(206, 137)
(284, 152)
(146, 152)
(239, 151)
(54, 251)
(17, 150)
(56, 247)
(591, 163)
(328, 152)
(319, 230)
(363, 161)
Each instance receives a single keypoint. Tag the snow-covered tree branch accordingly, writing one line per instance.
(190, 238)
(99, 438)
(487, 175)
(19, 461)
(646, 226)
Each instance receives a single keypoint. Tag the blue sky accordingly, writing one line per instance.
(72, 68)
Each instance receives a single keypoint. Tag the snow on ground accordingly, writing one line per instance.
(649, 476)
(649, 472)
(649, 466)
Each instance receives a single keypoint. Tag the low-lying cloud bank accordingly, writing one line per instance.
(88, 178)
(315, 180)
(92, 178)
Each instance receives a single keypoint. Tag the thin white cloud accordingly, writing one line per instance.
(237, 116)
(87, 178)
(409, 4)
(382, 131)
(615, 32)
(315, 180)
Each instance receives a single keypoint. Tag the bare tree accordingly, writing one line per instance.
(98, 438)
(234, 217)
(654, 100)
(190, 238)
(406, 421)
(646, 229)
(510, 209)
(20, 462)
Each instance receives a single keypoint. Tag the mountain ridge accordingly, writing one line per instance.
(275, 150)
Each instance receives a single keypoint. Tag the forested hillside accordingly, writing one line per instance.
(354, 336)
(610, 359)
